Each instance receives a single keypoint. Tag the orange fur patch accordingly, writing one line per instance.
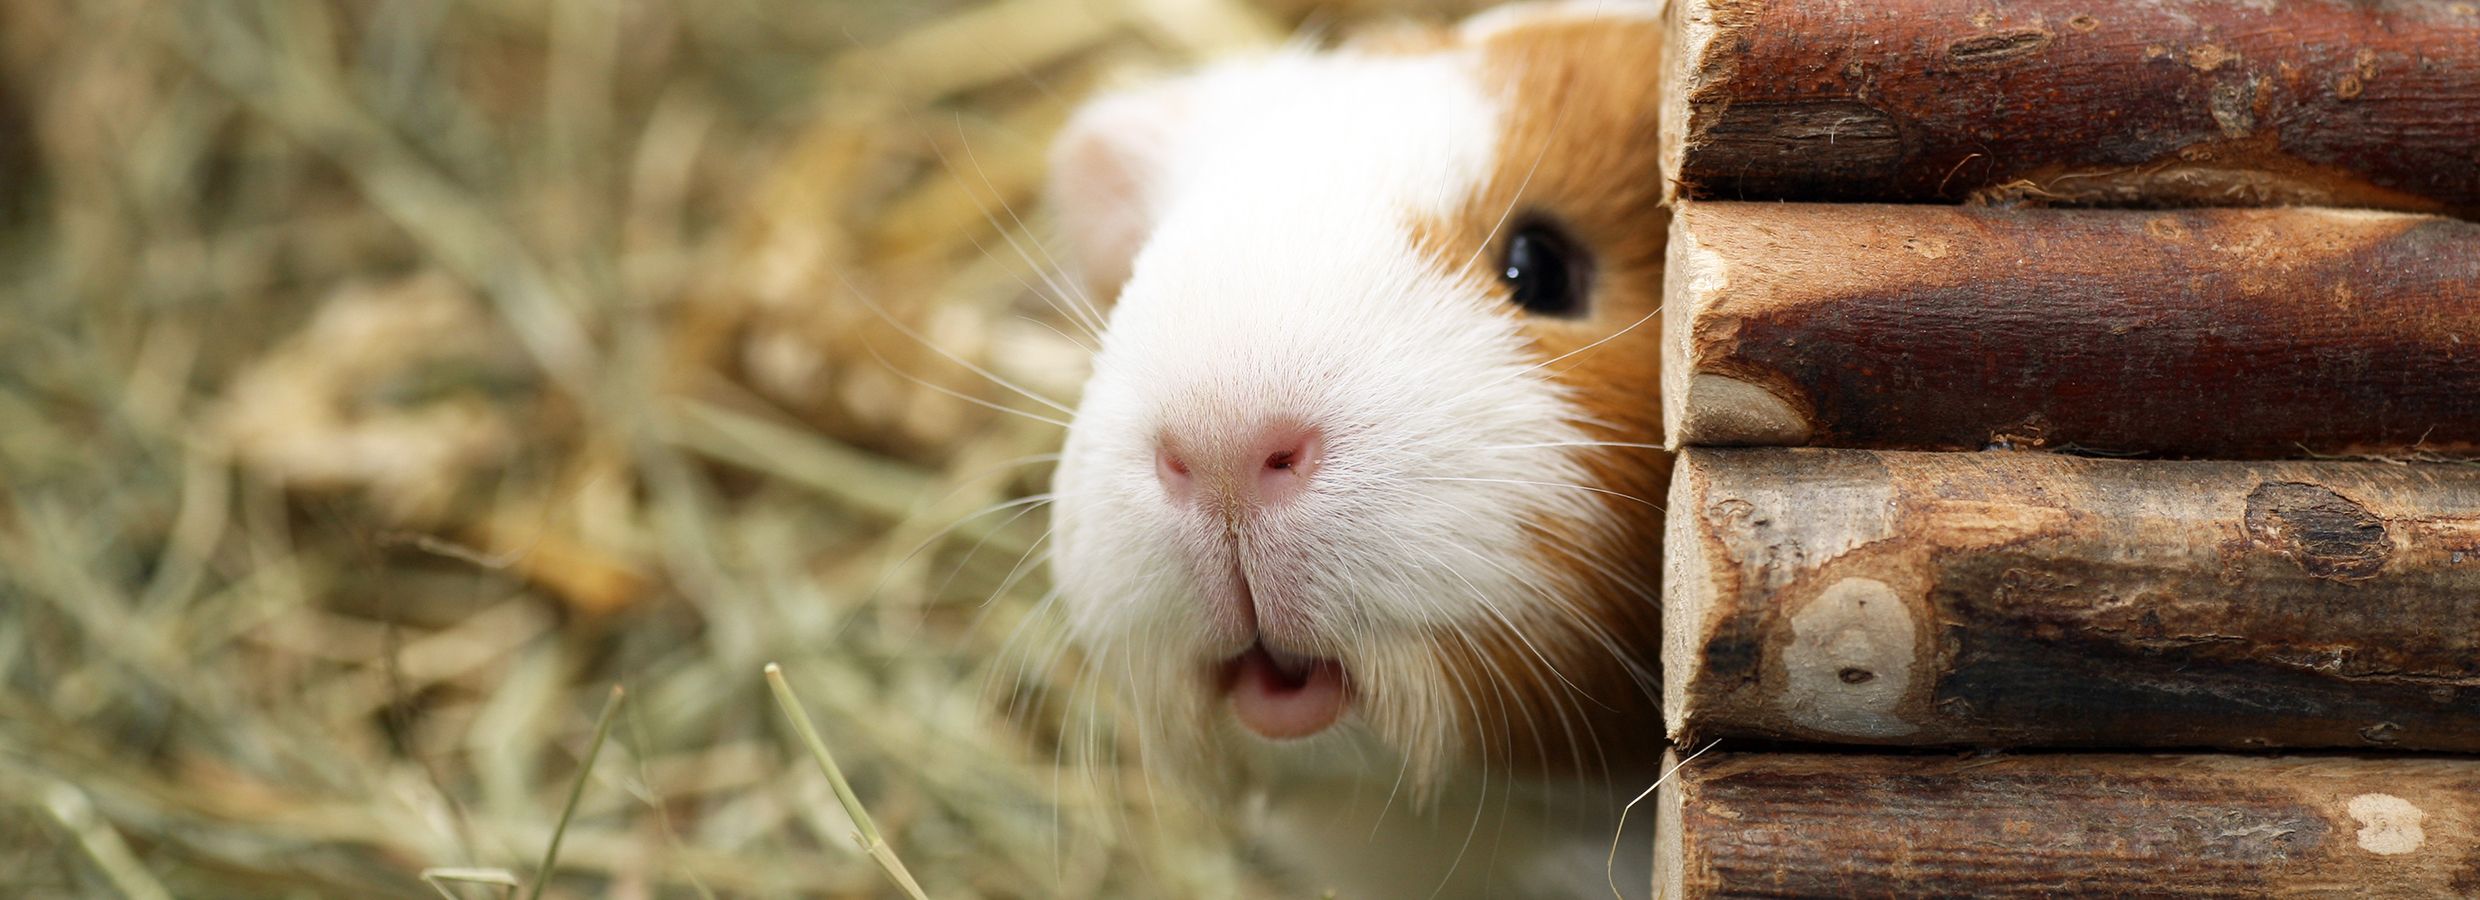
(1580, 151)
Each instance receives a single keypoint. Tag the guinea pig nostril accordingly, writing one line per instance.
(1237, 469)
(1293, 456)
(1172, 471)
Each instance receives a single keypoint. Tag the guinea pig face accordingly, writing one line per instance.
(1367, 450)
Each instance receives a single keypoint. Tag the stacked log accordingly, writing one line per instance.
(1832, 825)
(2033, 599)
(2185, 102)
(2223, 252)
(2217, 332)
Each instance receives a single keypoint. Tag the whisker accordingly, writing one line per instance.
(1066, 299)
(908, 331)
(1006, 583)
(966, 480)
(1049, 298)
(1505, 696)
(1029, 501)
(1590, 627)
(1569, 715)
(1552, 484)
(1610, 863)
(1090, 349)
(960, 395)
(1557, 117)
(1475, 827)
(1079, 312)
(1025, 658)
(1403, 769)
(1553, 598)
(1079, 307)
(1483, 599)
(1519, 373)
(1632, 445)
(1019, 571)
(1067, 290)
(1631, 326)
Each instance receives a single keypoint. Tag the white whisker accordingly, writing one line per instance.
(1610, 863)
(1029, 501)
(1080, 308)
(1631, 445)
(1090, 349)
(1550, 484)
(960, 395)
(908, 331)
(1607, 338)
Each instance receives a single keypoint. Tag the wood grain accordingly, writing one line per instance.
(2016, 599)
(1796, 825)
(2179, 102)
(2242, 333)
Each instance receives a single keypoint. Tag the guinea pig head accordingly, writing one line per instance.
(1369, 449)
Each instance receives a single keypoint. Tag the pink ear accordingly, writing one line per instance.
(1107, 171)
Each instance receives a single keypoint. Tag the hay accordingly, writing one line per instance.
(385, 383)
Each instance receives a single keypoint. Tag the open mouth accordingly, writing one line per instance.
(1280, 695)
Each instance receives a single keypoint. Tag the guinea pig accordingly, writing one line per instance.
(1365, 481)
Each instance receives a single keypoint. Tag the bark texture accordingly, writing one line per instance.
(1794, 825)
(2015, 599)
(2180, 102)
(2210, 333)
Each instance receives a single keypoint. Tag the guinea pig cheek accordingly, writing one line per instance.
(1280, 696)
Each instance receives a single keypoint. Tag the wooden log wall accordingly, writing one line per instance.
(2210, 333)
(2229, 308)
(2364, 103)
(1798, 825)
(2030, 599)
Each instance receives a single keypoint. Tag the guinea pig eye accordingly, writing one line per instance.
(1544, 271)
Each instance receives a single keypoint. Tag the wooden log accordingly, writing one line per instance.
(2013, 599)
(2372, 103)
(1799, 825)
(2221, 333)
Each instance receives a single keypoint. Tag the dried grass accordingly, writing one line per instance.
(385, 382)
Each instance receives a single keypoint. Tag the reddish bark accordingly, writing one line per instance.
(2185, 102)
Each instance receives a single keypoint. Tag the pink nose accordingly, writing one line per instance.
(1262, 467)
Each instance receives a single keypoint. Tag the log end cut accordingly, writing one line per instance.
(1709, 408)
(1681, 262)
(1692, 35)
(1683, 603)
(1670, 877)
(1721, 411)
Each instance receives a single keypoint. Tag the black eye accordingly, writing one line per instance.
(1545, 271)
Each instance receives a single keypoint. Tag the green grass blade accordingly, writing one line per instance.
(867, 835)
(576, 789)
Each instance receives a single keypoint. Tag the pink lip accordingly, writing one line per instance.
(1284, 698)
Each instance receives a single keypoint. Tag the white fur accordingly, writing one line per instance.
(1280, 280)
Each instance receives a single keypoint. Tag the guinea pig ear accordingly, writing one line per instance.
(1107, 172)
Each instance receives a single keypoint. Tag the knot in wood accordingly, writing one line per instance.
(2327, 534)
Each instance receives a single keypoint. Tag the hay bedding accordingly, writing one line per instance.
(384, 382)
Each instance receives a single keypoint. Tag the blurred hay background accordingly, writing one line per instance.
(380, 382)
